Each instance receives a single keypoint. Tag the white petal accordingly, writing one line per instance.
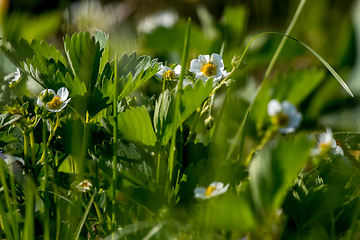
(63, 93)
(218, 61)
(177, 70)
(217, 184)
(204, 58)
(273, 107)
(200, 193)
(195, 66)
(286, 130)
(288, 108)
(338, 151)
(49, 90)
(220, 190)
(39, 102)
(294, 120)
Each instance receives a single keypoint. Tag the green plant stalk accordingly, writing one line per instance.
(158, 164)
(15, 204)
(7, 228)
(7, 196)
(115, 153)
(83, 219)
(283, 40)
(159, 148)
(29, 232)
(177, 106)
(98, 212)
(31, 134)
(52, 133)
(26, 151)
(46, 194)
(355, 215)
(222, 110)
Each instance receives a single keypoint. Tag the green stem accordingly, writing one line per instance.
(15, 203)
(98, 212)
(283, 40)
(216, 127)
(7, 196)
(177, 108)
(240, 134)
(26, 152)
(158, 164)
(115, 153)
(46, 194)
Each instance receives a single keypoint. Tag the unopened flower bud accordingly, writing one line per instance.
(209, 122)
(236, 63)
(46, 96)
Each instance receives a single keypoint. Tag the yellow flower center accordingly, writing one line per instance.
(209, 191)
(169, 75)
(209, 69)
(55, 103)
(280, 120)
(324, 147)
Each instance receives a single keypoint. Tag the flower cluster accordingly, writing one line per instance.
(284, 115)
(214, 189)
(54, 102)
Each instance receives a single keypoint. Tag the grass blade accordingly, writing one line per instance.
(82, 222)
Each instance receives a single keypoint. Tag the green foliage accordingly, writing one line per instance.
(275, 167)
(103, 164)
(135, 125)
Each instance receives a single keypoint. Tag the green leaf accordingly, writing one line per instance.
(7, 119)
(145, 68)
(74, 85)
(6, 138)
(44, 70)
(84, 54)
(103, 39)
(18, 52)
(275, 167)
(132, 71)
(135, 125)
(191, 99)
(228, 212)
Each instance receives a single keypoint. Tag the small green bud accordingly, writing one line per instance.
(46, 96)
(209, 122)
(235, 62)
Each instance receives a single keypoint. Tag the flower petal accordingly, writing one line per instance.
(195, 66)
(63, 93)
(39, 102)
(177, 70)
(273, 107)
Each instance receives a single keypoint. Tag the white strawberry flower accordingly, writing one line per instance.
(58, 101)
(167, 73)
(284, 115)
(326, 144)
(206, 66)
(214, 189)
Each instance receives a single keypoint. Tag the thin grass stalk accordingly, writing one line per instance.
(7, 228)
(7, 196)
(283, 40)
(115, 136)
(46, 194)
(29, 231)
(15, 203)
(177, 106)
(83, 219)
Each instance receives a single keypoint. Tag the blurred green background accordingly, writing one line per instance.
(156, 28)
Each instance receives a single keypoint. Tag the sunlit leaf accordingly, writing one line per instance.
(135, 125)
